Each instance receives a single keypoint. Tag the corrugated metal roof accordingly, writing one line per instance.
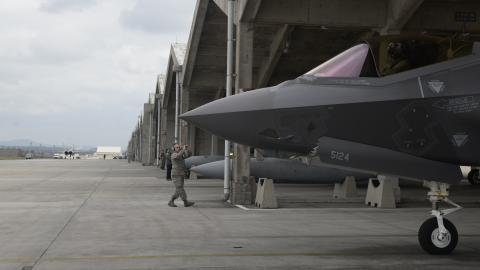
(179, 49)
(161, 83)
(151, 98)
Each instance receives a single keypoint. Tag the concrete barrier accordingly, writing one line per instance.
(385, 194)
(345, 190)
(265, 197)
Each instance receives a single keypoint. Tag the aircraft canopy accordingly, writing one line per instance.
(387, 55)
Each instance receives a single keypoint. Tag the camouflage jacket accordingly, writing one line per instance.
(178, 162)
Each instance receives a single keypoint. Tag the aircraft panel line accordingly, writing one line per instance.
(421, 86)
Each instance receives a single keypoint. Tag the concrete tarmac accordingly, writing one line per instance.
(97, 214)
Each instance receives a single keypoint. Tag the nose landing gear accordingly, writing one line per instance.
(438, 235)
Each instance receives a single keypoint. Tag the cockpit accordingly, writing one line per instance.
(387, 55)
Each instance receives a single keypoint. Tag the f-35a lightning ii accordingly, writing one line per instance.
(401, 106)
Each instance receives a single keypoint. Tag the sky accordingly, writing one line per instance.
(78, 71)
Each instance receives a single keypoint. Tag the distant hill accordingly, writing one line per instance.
(20, 142)
(25, 145)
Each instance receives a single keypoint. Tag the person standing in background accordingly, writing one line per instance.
(168, 162)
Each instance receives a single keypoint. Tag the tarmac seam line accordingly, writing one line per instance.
(71, 217)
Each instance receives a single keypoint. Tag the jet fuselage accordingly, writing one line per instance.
(431, 112)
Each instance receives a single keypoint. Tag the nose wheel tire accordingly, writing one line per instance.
(474, 177)
(433, 241)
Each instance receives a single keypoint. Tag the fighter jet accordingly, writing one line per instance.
(199, 160)
(403, 106)
(280, 169)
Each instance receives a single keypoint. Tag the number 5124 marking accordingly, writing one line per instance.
(341, 156)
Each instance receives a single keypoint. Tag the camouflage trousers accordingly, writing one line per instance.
(178, 181)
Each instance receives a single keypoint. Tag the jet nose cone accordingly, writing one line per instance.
(199, 160)
(210, 170)
(230, 117)
(249, 101)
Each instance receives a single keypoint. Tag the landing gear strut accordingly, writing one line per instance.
(474, 176)
(438, 235)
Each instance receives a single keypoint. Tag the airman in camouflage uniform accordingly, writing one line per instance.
(178, 174)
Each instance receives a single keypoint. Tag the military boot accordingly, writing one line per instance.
(188, 204)
(171, 203)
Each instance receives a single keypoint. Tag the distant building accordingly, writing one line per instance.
(108, 152)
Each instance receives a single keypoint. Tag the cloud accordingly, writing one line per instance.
(55, 6)
(60, 66)
(159, 16)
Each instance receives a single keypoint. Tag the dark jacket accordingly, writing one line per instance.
(168, 157)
